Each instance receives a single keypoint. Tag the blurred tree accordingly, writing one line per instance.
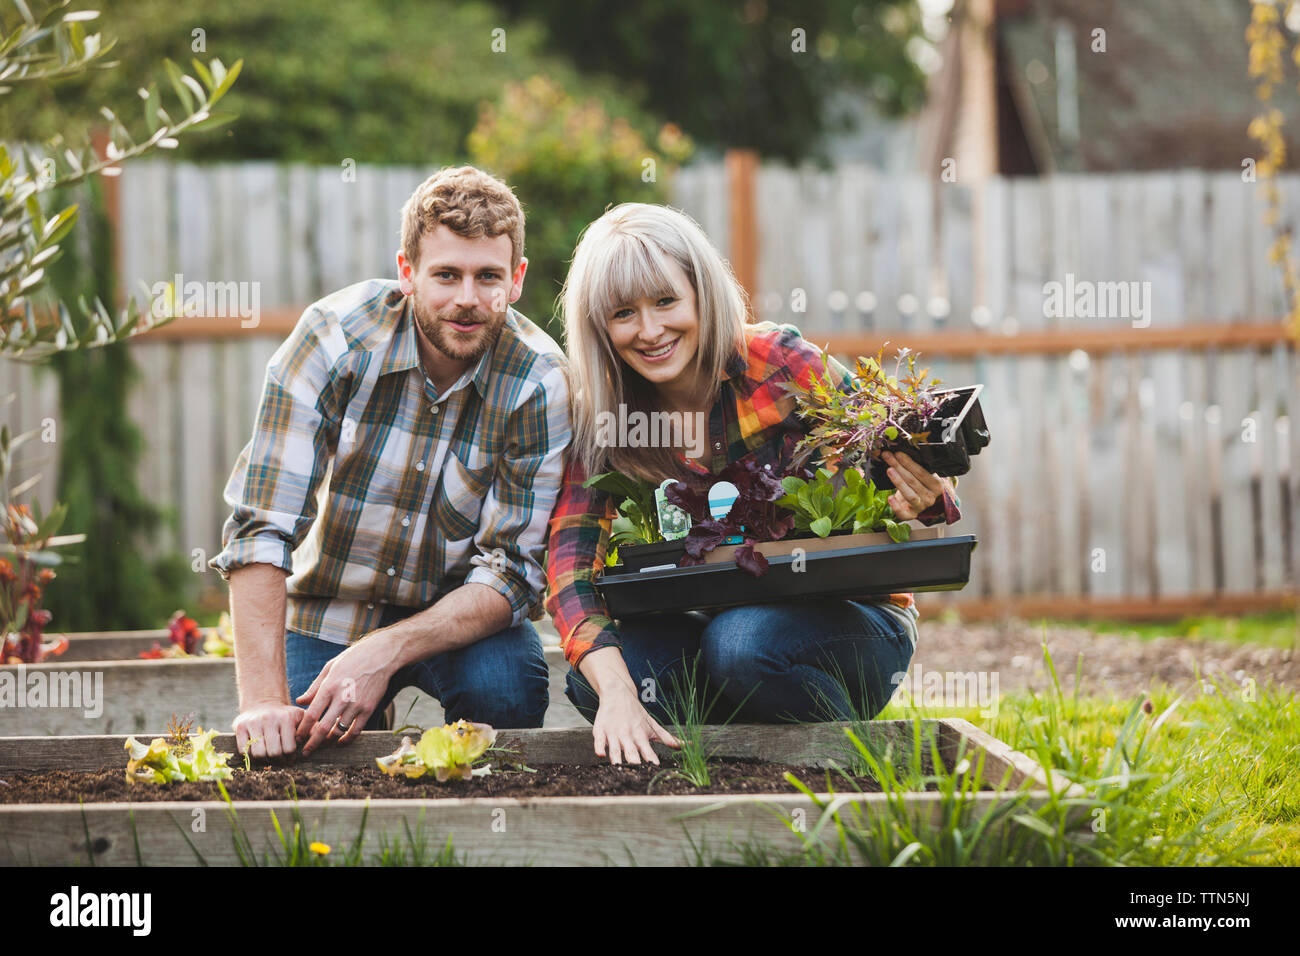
(738, 73)
(41, 43)
(571, 160)
(393, 82)
(108, 583)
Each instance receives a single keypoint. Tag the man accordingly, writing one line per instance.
(390, 510)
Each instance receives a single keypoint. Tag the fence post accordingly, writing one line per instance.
(742, 221)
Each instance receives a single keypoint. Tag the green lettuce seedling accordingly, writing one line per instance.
(448, 752)
(638, 517)
(821, 507)
(192, 758)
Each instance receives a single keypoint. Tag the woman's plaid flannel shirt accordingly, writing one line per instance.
(754, 416)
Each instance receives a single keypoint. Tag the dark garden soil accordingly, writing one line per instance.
(337, 783)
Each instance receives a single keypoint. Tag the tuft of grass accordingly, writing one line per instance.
(869, 748)
(689, 709)
(418, 850)
(299, 848)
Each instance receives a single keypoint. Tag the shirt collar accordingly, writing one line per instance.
(402, 352)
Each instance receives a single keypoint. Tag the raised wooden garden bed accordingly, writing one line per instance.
(133, 696)
(547, 830)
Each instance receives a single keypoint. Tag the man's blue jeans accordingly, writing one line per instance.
(501, 680)
(771, 663)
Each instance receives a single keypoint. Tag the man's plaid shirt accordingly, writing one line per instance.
(372, 489)
(754, 416)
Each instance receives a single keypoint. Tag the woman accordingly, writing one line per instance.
(655, 322)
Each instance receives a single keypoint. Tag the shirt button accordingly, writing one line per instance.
(392, 571)
(406, 521)
(717, 446)
(433, 409)
(419, 466)
(370, 606)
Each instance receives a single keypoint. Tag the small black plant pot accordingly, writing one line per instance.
(633, 558)
(960, 432)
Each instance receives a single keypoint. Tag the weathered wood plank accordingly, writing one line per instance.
(1194, 464)
(1106, 555)
(1271, 396)
(110, 645)
(1136, 484)
(548, 831)
(959, 736)
(1236, 399)
(1291, 436)
(1030, 243)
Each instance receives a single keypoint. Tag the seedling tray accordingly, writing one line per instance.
(550, 830)
(851, 570)
(958, 432)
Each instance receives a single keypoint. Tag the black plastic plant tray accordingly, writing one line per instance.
(940, 564)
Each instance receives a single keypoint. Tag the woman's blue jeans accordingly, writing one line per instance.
(771, 663)
(500, 680)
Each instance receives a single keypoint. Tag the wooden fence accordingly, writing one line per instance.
(1139, 461)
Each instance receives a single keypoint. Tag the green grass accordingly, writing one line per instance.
(1204, 779)
(299, 848)
(1230, 751)
(1274, 629)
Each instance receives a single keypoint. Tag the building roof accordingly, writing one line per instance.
(1170, 90)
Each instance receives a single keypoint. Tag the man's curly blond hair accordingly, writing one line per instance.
(469, 202)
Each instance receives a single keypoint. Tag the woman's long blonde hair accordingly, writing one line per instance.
(622, 257)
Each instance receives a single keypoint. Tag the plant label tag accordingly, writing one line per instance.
(674, 523)
(721, 497)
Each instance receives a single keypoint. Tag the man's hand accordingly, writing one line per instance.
(267, 729)
(345, 693)
(916, 488)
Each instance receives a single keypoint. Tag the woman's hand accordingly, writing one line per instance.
(916, 488)
(622, 727)
(625, 729)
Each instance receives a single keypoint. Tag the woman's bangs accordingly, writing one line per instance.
(627, 269)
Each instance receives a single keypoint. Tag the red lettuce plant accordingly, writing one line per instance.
(20, 606)
(755, 516)
(185, 635)
(30, 540)
(22, 583)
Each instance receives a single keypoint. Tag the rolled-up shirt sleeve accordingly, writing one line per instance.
(272, 490)
(579, 539)
(511, 540)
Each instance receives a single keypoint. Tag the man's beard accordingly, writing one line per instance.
(457, 345)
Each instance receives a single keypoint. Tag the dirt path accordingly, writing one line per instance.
(1111, 663)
